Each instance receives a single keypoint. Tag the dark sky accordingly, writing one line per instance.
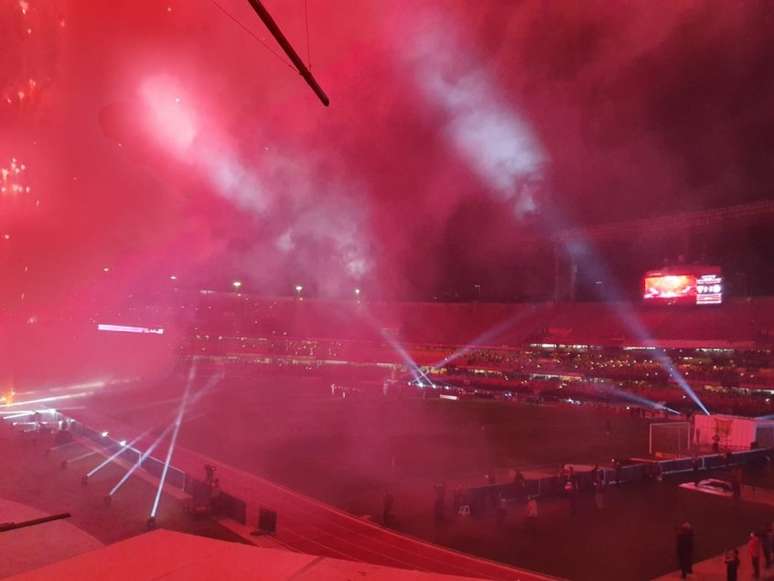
(162, 139)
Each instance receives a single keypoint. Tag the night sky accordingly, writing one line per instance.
(160, 138)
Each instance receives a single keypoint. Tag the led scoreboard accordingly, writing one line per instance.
(686, 285)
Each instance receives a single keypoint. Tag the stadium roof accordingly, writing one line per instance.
(176, 556)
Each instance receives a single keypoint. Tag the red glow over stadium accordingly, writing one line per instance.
(386, 290)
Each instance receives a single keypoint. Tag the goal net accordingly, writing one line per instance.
(670, 439)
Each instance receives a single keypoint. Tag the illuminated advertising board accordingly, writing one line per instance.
(688, 286)
(130, 329)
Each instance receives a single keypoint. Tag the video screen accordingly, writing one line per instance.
(698, 289)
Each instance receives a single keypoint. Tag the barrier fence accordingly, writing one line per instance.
(481, 498)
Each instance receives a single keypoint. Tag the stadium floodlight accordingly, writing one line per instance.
(299, 288)
(172, 277)
(237, 284)
(357, 292)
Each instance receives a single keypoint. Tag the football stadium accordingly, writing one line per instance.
(522, 329)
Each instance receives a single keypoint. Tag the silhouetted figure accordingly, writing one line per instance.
(532, 516)
(216, 496)
(685, 549)
(736, 483)
(501, 512)
(209, 472)
(754, 548)
(599, 494)
(766, 545)
(732, 564)
(571, 492)
(696, 463)
(520, 484)
(618, 471)
(388, 501)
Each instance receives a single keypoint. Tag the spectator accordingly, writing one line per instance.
(595, 475)
(754, 548)
(732, 564)
(685, 549)
(521, 485)
(736, 483)
(599, 494)
(501, 511)
(532, 515)
(216, 497)
(388, 501)
(766, 541)
(571, 492)
(696, 464)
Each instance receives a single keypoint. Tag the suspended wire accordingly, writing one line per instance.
(251, 33)
(308, 46)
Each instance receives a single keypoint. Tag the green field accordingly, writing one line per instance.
(347, 452)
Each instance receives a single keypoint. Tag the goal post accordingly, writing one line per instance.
(669, 439)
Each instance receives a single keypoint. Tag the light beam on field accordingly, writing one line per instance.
(18, 415)
(183, 405)
(47, 399)
(71, 387)
(115, 455)
(581, 251)
(173, 441)
(140, 460)
(484, 338)
(412, 366)
(608, 389)
(499, 145)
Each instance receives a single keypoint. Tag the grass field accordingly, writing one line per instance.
(347, 452)
(338, 449)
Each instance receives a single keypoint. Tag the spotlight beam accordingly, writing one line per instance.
(275, 31)
(485, 337)
(116, 454)
(183, 404)
(140, 460)
(19, 415)
(634, 398)
(47, 399)
(210, 384)
(581, 251)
